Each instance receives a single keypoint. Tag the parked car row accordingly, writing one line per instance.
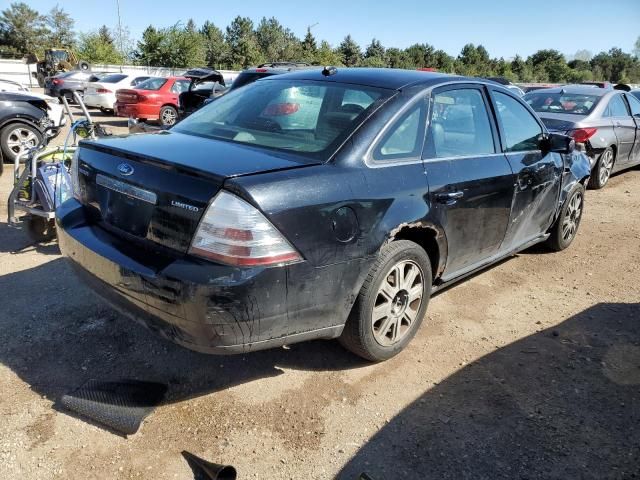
(320, 203)
(605, 124)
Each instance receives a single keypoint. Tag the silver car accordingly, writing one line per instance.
(605, 124)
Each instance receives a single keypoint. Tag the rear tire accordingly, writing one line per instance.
(602, 171)
(168, 116)
(565, 229)
(40, 229)
(391, 303)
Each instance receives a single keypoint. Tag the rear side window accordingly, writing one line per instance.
(404, 139)
(460, 125)
(115, 78)
(634, 103)
(180, 86)
(617, 108)
(522, 131)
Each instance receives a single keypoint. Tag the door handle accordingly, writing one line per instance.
(449, 198)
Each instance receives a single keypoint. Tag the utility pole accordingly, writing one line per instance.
(120, 35)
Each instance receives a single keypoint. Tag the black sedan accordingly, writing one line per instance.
(24, 122)
(605, 123)
(317, 204)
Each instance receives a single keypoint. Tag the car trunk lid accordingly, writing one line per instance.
(560, 122)
(129, 95)
(154, 188)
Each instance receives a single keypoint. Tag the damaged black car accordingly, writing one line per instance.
(326, 203)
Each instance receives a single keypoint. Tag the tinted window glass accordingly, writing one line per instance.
(617, 108)
(154, 83)
(300, 116)
(180, 86)
(634, 103)
(246, 77)
(404, 139)
(138, 80)
(460, 124)
(576, 104)
(521, 130)
(115, 78)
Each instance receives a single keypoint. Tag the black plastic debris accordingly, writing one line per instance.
(203, 470)
(122, 405)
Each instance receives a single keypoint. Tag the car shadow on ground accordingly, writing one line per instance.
(55, 334)
(562, 403)
(16, 241)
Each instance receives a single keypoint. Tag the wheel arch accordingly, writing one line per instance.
(431, 238)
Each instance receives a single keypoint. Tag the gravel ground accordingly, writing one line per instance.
(528, 370)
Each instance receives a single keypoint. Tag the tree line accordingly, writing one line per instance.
(242, 43)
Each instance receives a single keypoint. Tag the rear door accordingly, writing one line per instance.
(538, 174)
(470, 180)
(624, 127)
(634, 105)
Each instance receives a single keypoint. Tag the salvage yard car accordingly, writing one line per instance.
(156, 98)
(317, 204)
(605, 123)
(102, 93)
(25, 119)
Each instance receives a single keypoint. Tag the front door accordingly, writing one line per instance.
(470, 181)
(538, 173)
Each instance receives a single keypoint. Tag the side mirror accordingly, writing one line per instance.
(558, 143)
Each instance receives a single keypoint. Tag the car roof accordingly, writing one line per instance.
(577, 89)
(390, 78)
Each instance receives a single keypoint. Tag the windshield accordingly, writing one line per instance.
(298, 116)
(572, 103)
(154, 83)
(114, 78)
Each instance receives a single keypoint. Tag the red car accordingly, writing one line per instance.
(153, 99)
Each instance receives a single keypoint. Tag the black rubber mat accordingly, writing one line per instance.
(121, 405)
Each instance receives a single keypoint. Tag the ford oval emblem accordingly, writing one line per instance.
(125, 169)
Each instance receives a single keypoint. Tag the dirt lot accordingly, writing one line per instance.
(528, 370)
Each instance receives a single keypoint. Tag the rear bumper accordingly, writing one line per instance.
(98, 100)
(204, 306)
(136, 110)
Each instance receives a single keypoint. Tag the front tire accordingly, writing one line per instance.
(602, 171)
(565, 229)
(391, 304)
(168, 116)
(15, 138)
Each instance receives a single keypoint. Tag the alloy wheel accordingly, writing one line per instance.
(168, 117)
(572, 216)
(397, 302)
(606, 164)
(21, 139)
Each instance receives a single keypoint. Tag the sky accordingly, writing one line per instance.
(505, 28)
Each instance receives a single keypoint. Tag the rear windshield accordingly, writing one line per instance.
(154, 83)
(572, 103)
(248, 77)
(306, 117)
(115, 78)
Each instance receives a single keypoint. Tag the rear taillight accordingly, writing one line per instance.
(56, 81)
(581, 135)
(140, 98)
(103, 90)
(234, 232)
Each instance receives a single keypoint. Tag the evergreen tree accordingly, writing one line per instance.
(350, 51)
